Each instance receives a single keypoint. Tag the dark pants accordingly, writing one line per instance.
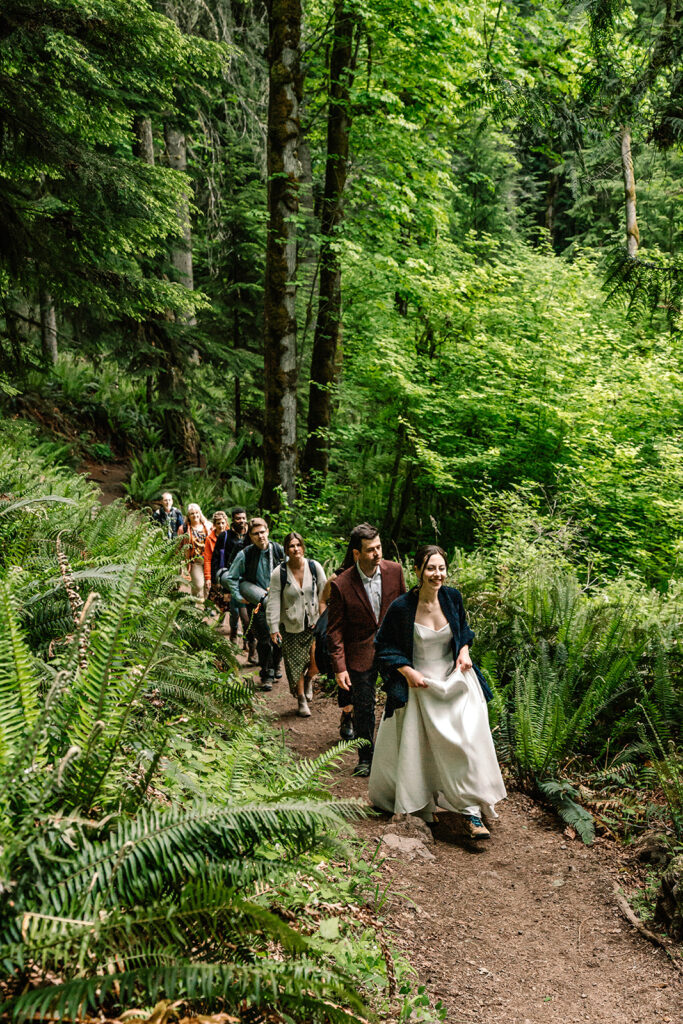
(362, 697)
(269, 654)
(238, 613)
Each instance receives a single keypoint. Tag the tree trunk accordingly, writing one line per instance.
(284, 173)
(48, 327)
(179, 427)
(406, 498)
(632, 235)
(386, 530)
(181, 256)
(551, 196)
(327, 337)
(237, 341)
(143, 142)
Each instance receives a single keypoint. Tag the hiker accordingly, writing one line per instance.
(434, 744)
(215, 593)
(321, 653)
(359, 598)
(194, 533)
(168, 516)
(228, 544)
(292, 611)
(249, 581)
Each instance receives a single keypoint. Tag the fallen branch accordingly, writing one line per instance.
(622, 903)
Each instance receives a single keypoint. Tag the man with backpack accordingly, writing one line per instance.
(249, 582)
(168, 516)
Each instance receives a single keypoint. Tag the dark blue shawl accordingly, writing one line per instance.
(394, 642)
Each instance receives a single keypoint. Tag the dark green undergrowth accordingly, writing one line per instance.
(157, 841)
(586, 672)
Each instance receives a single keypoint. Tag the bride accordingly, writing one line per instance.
(434, 745)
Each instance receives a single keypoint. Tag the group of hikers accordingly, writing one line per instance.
(434, 746)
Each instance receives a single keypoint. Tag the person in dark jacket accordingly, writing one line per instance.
(228, 545)
(217, 596)
(168, 516)
(359, 598)
(434, 745)
(249, 581)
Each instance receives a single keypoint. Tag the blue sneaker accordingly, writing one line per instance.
(475, 827)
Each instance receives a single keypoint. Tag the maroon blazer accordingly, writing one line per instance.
(351, 622)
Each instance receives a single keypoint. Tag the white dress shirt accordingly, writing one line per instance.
(373, 589)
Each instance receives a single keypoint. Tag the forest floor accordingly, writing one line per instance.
(521, 929)
(109, 476)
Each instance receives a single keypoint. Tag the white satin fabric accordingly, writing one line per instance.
(438, 750)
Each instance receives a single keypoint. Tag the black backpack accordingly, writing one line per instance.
(322, 655)
(218, 556)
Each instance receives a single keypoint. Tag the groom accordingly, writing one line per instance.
(359, 598)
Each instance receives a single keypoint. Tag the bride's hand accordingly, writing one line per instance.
(413, 677)
(464, 661)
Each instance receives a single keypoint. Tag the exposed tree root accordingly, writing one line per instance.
(641, 928)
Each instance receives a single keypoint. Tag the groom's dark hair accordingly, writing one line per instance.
(364, 531)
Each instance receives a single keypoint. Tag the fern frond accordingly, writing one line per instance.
(14, 506)
(300, 989)
(18, 680)
(563, 797)
(177, 842)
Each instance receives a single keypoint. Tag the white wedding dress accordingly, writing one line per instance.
(438, 749)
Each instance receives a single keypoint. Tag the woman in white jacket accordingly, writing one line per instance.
(292, 610)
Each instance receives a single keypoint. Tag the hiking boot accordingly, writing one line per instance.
(233, 636)
(252, 658)
(346, 726)
(362, 770)
(303, 710)
(266, 683)
(475, 827)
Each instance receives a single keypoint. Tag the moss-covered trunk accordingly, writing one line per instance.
(327, 339)
(179, 428)
(284, 173)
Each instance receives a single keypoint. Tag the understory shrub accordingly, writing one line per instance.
(579, 666)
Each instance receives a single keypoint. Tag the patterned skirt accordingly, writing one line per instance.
(296, 651)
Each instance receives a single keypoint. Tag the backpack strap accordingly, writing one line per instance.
(314, 575)
(251, 557)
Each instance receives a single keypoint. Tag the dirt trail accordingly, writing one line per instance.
(110, 477)
(520, 930)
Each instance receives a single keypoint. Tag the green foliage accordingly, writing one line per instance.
(151, 472)
(563, 798)
(508, 371)
(667, 760)
(566, 655)
(79, 210)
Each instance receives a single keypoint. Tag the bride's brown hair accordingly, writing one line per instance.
(424, 553)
